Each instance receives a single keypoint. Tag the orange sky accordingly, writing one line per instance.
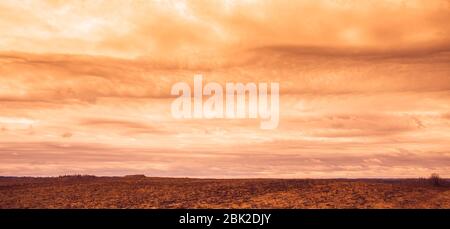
(364, 87)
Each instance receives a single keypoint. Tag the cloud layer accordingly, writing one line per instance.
(85, 87)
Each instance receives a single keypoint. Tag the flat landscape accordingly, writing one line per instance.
(151, 192)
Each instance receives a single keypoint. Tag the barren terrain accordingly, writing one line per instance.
(148, 192)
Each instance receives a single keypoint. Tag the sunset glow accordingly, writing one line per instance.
(85, 87)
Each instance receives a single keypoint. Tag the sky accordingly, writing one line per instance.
(364, 87)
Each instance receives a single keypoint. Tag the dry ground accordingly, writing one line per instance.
(146, 192)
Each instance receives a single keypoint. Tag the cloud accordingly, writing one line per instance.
(56, 159)
(129, 127)
(180, 29)
(84, 87)
(53, 78)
